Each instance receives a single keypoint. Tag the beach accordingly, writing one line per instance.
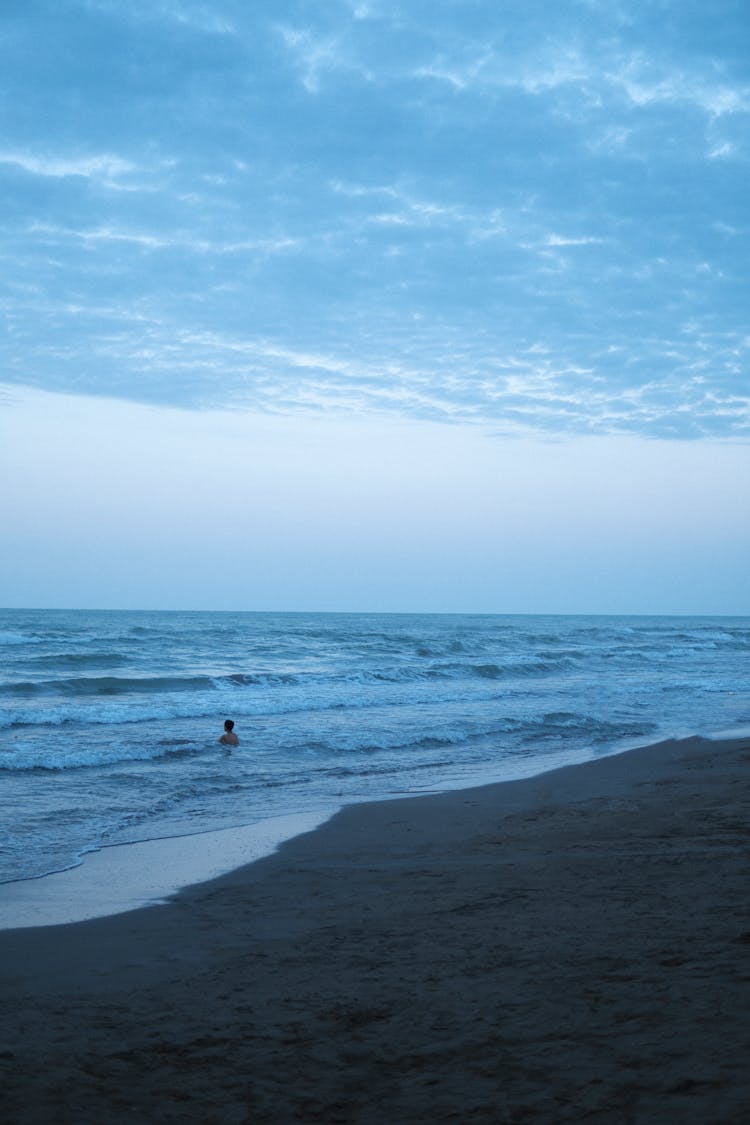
(569, 947)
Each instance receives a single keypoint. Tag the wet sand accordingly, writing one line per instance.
(568, 948)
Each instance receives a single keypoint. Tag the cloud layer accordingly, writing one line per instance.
(525, 215)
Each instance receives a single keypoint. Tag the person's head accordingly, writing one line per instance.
(228, 725)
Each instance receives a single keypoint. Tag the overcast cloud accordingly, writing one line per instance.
(522, 214)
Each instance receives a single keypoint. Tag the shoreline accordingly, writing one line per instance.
(575, 944)
(118, 878)
(114, 879)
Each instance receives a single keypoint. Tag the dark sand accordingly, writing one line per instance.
(571, 948)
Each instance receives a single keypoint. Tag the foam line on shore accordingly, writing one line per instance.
(123, 877)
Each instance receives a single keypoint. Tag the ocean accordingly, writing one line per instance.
(109, 721)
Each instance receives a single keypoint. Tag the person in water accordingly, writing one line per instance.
(229, 738)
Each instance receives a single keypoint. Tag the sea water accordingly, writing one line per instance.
(109, 721)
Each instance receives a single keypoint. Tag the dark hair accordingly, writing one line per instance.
(228, 724)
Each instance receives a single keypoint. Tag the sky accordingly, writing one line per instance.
(375, 305)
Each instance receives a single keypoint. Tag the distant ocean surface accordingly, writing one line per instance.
(109, 720)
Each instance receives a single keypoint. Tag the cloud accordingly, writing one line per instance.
(537, 388)
(561, 240)
(106, 168)
(523, 214)
(184, 241)
(363, 9)
(316, 56)
(647, 81)
(596, 78)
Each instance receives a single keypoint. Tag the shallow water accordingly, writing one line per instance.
(109, 720)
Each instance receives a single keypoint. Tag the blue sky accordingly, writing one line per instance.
(496, 226)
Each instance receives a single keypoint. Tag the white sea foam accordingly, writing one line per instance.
(117, 879)
(7, 637)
